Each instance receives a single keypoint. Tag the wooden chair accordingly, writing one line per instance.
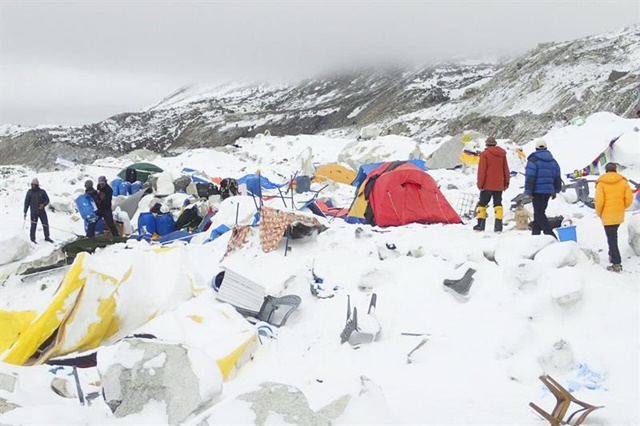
(564, 399)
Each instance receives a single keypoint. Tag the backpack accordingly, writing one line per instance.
(188, 218)
(228, 188)
(207, 189)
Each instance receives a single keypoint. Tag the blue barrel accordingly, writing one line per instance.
(86, 206)
(146, 223)
(136, 186)
(124, 188)
(115, 185)
(165, 224)
(99, 226)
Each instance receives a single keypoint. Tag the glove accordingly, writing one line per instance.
(40, 206)
(553, 196)
(529, 196)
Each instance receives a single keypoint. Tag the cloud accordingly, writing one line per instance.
(74, 62)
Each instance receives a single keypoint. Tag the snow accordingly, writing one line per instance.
(541, 306)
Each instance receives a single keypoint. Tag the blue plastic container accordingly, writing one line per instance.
(136, 186)
(146, 223)
(99, 226)
(86, 206)
(567, 233)
(115, 185)
(165, 224)
(124, 188)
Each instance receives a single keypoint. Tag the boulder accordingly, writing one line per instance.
(135, 372)
(369, 132)
(385, 148)
(510, 252)
(633, 228)
(560, 255)
(558, 360)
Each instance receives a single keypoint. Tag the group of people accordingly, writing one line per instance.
(543, 181)
(37, 199)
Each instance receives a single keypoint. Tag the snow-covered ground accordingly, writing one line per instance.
(558, 312)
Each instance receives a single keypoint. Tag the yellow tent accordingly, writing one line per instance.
(334, 172)
(92, 308)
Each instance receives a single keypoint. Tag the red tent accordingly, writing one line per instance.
(402, 194)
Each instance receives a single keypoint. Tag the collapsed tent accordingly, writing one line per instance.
(143, 171)
(98, 304)
(255, 183)
(400, 193)
(463, 148)
(334, 172)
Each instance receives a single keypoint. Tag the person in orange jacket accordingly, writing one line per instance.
(493, 178)
(613, 197)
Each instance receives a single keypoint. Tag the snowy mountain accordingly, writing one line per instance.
(517, 100)
(535, 306)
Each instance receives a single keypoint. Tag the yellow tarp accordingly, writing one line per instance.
(12, 324)
(469, 158)
(48, 322)
(334, 172)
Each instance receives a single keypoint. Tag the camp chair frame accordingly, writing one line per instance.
(564, 399)
(351, 332)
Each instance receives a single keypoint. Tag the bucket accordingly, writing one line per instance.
(303, 184)
(146, 223)
(165, 224)
(124, 188)
(136, 186)
(567, 233)
(115, 185)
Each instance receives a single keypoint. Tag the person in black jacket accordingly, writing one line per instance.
(103, 202)
(36, 200)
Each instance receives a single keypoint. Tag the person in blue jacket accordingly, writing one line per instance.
(36, 200)
(542, 181)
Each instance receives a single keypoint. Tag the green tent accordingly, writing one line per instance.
(143, 170)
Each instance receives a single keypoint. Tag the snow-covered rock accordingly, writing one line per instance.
(386, 148)
(566, 253)
(509, 252)
(15, 248)
(559, 359)
(136, 372)
(369, 132)
(633, 227)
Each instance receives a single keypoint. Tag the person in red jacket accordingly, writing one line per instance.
(493, 178)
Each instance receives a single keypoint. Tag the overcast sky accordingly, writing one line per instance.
(78, 62)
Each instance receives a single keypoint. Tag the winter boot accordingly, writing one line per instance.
(616, 267)
(480, 225)
(497, 227)
(482, 218)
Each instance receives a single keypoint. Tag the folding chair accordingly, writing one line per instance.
(563, 402)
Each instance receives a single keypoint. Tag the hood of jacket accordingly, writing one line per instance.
(541, 155)
(496, 151)
(610, 178)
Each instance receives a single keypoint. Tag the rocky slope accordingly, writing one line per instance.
(520, 99)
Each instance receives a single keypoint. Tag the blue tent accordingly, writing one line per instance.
(255, 182)
(365, 169)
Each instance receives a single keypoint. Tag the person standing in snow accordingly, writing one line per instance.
(542, 181)
(104, 196)
(36, 200)
(613, 197)
(493, 179)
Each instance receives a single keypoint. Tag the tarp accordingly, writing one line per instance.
(130, 204)
(264, 182)
(365, 169)
(334, 172)
(143, 171)
(98, 301)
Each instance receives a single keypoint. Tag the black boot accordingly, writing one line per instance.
(497, 226)
(480, 225)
